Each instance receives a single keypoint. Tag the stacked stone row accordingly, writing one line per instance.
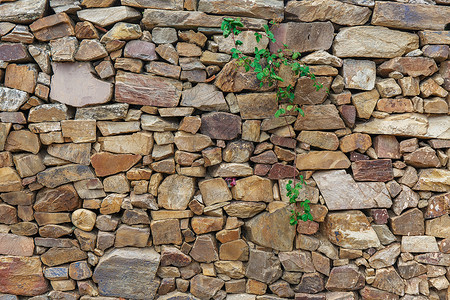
(137, 160)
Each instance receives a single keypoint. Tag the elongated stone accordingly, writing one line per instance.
(146, 89)
(411, 66)
(62, 198)
(373, 170)
(53, 27)
(57, 256)
(106, 163)
(437, 180)
(319, 117)
(12, 99)
(11, 244)
(272, 9)
(109, 15)
(22, 11)
(57, 176)
(322, 160)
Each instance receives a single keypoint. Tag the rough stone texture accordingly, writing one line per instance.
(272, 9)
(127, 272)
(22, 11)
(175, 192)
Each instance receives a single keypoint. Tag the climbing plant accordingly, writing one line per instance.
(266, 66)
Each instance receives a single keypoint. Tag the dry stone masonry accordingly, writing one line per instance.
(138, 161)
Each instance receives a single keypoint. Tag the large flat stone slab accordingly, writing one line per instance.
(146, 89)
(264, 9)
(22, 11)
(84, 89)
(128, 273)
(340, 191)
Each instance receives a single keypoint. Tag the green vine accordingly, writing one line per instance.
(266, 66)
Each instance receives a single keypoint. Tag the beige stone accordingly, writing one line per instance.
(84, 219)
(322, 160)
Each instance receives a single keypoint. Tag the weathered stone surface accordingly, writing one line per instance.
(221, 126)
(428, 37)
(345, 278)
(238, 151)
(128, 236)
(76, 153)
(424, 157)
(320, 36)
(350, 194)
(371, 293)
(373, 41)
(205, 249)
(48, 112)
(387, 279)
(401, 125)
(436, 180)
(263, 266)
(257, 106)
(23, 11)
(214, 191)
(355, 141)
(410, 16)
(385, 257)
(176, 191)
(22, 276)
(105, 163)
(438, 227)
(166, 232)
(144, 263)
(22, 140)
(204, 97)
(306, 92)
(253, 188)
(90, 50)
(189, 20)
(373, 170)
(10, 180)
(350, 230)
(146, 89)
(256, 8)
(249, 43)
(244, 209)
(322, 160)
(205, 287)
(192, 142)
(11, 244)
(319, 117)
(75, 94)
(410, 222)
(322, 10)
(320, 139)
(62, 198)
(57, 176)
(52, 27)
(271, 230)
(58, 256)
(411, 66)
(359, 74)
(122, 31)
(21, 77)
(296, 261)
(137, 143)
(28, 164)
(419, 244)
(12, 99)
(108, 16)
(8, 214)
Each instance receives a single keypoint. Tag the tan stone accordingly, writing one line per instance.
(21, 77)
(175, 192)
(58, 256)
(84, 219)
(106, 163)
(322, 160)
(166, 232)
(90, 50)
(201, 225)
(355, 141)
(214, 191)
(319, 117)
(438, 227)
(253, 188)
(411, 66)
(10, 180)
(79, 131)
(52, 27)
(140, 143)
(191, 142)
(28, 164)
(128, 236)
(122, 31)
(22, 140)
(257, 106)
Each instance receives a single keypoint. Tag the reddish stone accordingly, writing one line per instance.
(308, 227)
(62, 198)
(370, 293)
(106, 163)
(221, 125)
(355, 156)
(14, 53)
(11, 244)
(283, 141)
(373, 170)
(410, 222)
(379, 215)
(280, 171)
(8, 214)
(387, 146)
(171, 256)
(22, 276)
(348, 114)
(411, 66)
(261, 169)
(52, 27)
(268, 157)
(437, 206)
(392, 105)
(140, 50)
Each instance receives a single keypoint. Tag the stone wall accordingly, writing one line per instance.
(138, 161)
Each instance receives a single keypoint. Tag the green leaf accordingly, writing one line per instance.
(279, 112)
(238, 42)
(289, 107)
(260, 76)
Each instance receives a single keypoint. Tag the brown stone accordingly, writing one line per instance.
(257, 106)
(175, 192)
(171, 256)
(205, 287)
(22, 276)
(319, 117)
(11, 244)
(234, 250)
(410, 222)
(201, 225)
(311, 283)
(437, 206)
(9, 214)
(322, 160)
(129, 64)
(205, 249)
(373, 170)
(307, 93)
(411, 66)
(221, 126)
(58, 256)
(9, 180)
(399, 105)
(387, 279)
(128, 236)
(62, 198)
(108, 164)
(166, 232)
(28, 164)
(52, 27)
(433, 180)
(21, 77)
(424, 157)
(410, 16)
(355, 141)
(438, 227)
(44, 218)
(320, 36)
(320, 139)
(90, 50)
(345, 278)
(53, 177)
(281, 171)
(214, 191)
(244, 209)
(253, 188)
(158, 91)
(111, 204)
(387, 146)
(14, 52)
(22, 140)
(86, 30)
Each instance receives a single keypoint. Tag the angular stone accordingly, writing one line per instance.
(128, 236)
(106, 163)
(322, 160)
(411, 66)
(166, 232)
(76, 153)
(263, 266)
(438, 227)
(52, 27)
(265, 230)
(103, 112)
(424, 157)
(387, 279)
(306, 92)
(202, 225)
(146, 89)
(214, 191)
(345, 278)
(63, 49)
(205, 287)
(257, 106)
(401, 125)
(205, 249)
(122, 31)
(406, 199)
(436, 180)
(141, 50)
(90, 50)
(62, 198)
(296, 261)
(176, 191)
(14, 52)
(373, 170)
(234, 250)
(221, 126)
(360, 42)
(11, 244)
(12, 99)
(319, 117)
(53, 177)
(385, 257)
(428, 37)
(28, 164)
(410, 269)
(410, 16)
(48, 112)
(418, 244)
(22, 275)
(136, 143)
(108, 128)
(58, 256)
(8, 214)
(79, 131)
(22, 140)
(21, 77)
(253, 188)
(249, 43)
(371, 293)
(321, 10)
(410, 222)
(320, 36)
(254, 9)
(355, 141)
(232, 170)
(43, 219)
(18, 198)
(410, 86)
(189, 20)
(191, 142)
(351, 230)
(359, 74)
(238, 151)
(108, 16)
(23, 11)
(320, 139)
(79, 75)
(243, 209)
(144, 262)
